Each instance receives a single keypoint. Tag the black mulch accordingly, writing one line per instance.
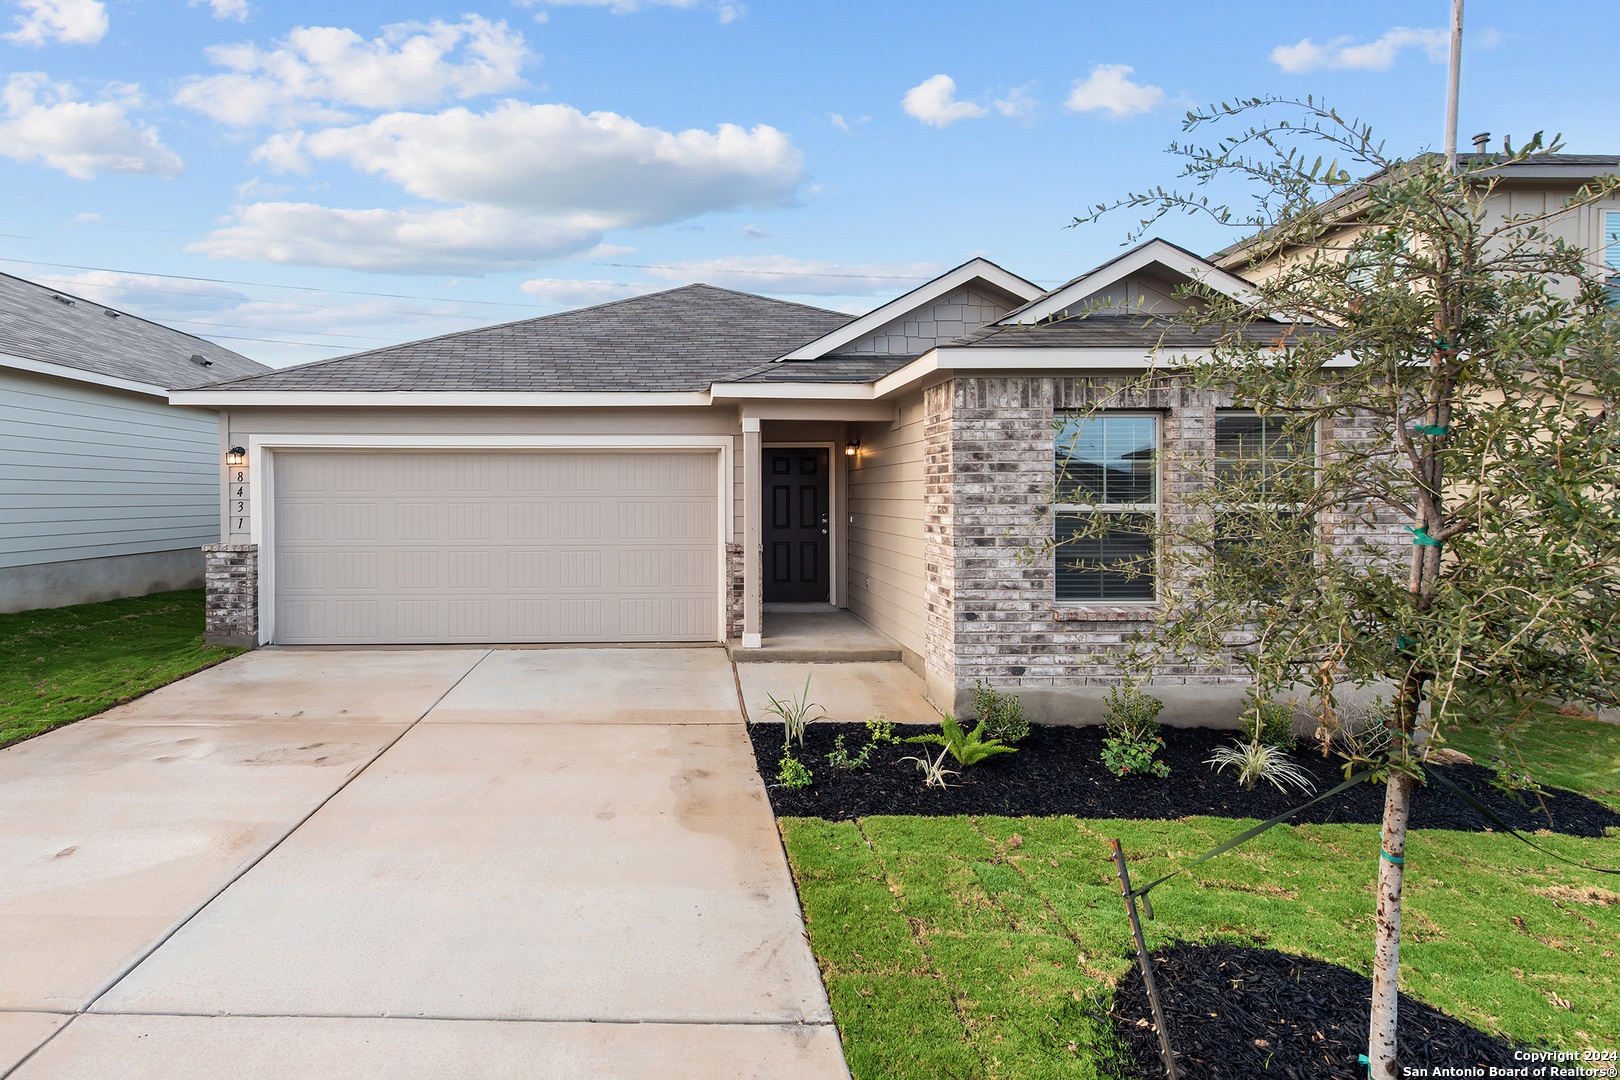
(1057, 771)
(1232, 1011)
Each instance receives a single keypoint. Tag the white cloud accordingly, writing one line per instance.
(727, 10)
(801, 277)
(553, 159)
(315, 70)
(78, 218)
(1018, 102)
(837, 120)
(72, 22)
(40, 121)
(225, 9)
(933, 101)
(754, 232)
(568, 294)
(1109, 87)
(1380, 55)
(466, 239)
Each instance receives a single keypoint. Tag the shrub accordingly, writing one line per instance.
(1274, 720)
(1256, 761)
(1131, 713)
(795, 714)
(878, 731)
(966, 748)
(793, 773)
(1134, 757)
(1001, 714)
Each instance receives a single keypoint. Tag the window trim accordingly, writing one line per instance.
(1156, 508)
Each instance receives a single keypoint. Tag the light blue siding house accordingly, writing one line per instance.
(106, 490)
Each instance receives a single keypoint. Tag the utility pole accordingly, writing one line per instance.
(1456, 74)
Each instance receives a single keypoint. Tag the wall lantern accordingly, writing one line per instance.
(236, 456)
(851, 447)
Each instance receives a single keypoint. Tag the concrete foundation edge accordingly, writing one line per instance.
(90, 581)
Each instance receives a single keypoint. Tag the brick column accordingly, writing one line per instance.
(231, 581)
(939, 546)
(736, 590)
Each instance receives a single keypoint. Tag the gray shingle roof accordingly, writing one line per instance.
(832, 368)
(679, 339)
(81, 334)
(1096, 331)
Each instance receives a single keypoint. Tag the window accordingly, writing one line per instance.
(1272, 457)
(1611, 252)
(1107, 481)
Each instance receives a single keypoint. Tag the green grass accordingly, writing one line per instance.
(1560, 751)
(949, 950)
(58, 665)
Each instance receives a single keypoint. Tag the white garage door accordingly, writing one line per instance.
(495, 547)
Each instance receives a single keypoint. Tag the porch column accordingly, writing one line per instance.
(752, 463)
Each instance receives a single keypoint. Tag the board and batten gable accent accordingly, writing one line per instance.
(964, 309)
(89, 472)
(885, 536)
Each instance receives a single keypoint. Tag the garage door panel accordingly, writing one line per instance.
(558, 547)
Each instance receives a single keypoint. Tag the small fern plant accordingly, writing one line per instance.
(797, 713)
(968, 748)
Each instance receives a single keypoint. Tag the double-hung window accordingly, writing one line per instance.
(1106, 508)
(1266, 463)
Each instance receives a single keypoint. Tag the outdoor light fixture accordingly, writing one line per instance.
(852, 446)
(236, 456)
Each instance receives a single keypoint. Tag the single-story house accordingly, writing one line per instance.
(672, 466)
(105, 490)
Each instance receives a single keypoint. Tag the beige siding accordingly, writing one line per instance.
(886, 535)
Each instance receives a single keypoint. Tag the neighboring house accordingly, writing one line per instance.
(105, 489)
(666, 468)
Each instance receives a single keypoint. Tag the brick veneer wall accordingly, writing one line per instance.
(736, 583)
(940, 471)
(231, 604)
(1007, 627)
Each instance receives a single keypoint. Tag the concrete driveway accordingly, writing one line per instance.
(547, 863)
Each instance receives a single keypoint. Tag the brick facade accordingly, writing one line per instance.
(940, 471)
(231, 582)
(736, 584)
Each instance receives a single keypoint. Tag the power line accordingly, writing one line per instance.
(272, 341)
(774, 273)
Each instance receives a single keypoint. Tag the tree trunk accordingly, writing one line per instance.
(1387, 936)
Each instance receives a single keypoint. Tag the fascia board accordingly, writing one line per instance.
(1158, 251)
(792, 391)
(95, 378)
(493, 399)
(922, 294)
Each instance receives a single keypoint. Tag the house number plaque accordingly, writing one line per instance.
(237, 495)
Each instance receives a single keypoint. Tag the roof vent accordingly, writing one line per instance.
(61, 299)
(111, 314)
(201, 360)
(1482, 143)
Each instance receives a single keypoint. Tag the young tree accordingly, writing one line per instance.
(1416, 360)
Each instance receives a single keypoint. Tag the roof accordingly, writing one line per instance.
(1097, 331)
(678, 339)
(51, 326)
(976, 270)
(833, 368)
(1180, 262)
(1534, 167)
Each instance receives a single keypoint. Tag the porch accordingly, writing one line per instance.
(815, 633)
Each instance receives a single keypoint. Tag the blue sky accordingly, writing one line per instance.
(476, 164)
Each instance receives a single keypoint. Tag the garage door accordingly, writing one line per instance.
(495, 547)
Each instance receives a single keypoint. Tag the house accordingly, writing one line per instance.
(108, 491)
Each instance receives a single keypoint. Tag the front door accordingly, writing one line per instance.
(796, 528)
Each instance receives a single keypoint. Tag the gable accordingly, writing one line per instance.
(957, 313)
(1143, 279)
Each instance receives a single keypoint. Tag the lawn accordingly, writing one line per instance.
(978, 946)
(58, 665)
(1561, 751)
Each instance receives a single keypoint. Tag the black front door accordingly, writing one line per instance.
(796, 529)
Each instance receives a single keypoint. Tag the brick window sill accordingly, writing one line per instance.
(1098, 613)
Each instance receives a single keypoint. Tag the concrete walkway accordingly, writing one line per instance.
(406, 863)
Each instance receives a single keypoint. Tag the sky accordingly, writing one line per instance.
(297, 181)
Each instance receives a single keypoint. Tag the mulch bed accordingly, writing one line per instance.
(1232, 1011)
(1057, 770)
